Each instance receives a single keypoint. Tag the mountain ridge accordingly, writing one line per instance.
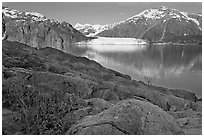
(155, 25)
(35, 30)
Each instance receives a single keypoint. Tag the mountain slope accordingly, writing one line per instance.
(47, 91)
(158, 25)
(36, 30)
(91, 30)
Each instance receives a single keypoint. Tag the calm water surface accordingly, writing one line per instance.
(172, 66)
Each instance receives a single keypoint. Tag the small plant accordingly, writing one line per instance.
(41, 110)
(148, 80)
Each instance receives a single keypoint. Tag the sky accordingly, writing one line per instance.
(97, 12)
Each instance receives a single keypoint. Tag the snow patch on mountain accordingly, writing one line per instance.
(175, 15)
(152, 14)
(149, 16)
(79, 26)
(10, 13)
(189, 18)
(95, 29)
(36, 16)
(15, 14)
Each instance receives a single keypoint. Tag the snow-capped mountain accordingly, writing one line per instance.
(92, 30)
(162, 13)
(19, 15)
(158, 24)
(35, 30)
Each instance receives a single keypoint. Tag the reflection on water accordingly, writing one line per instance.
(172, 66)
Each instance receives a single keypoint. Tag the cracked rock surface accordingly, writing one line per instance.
(128, 117)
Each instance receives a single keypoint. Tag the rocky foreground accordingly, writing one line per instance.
(47, 91)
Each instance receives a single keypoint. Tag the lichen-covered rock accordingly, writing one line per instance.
(184, 113)
(193, 131)
(129, 117)
(11, 122)
(105, 129)
(99, 103)
(184, 94)
(191, 125)
(189, 122)
(197, 106)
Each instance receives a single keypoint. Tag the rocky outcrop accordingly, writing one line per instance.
(10, 122)
(130, 117)
(36, 30)
(189, 124)
(47, 91)
(189, 121)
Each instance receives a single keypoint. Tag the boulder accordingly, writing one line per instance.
(99, 103)
(184, 113)
(128, 117)
(184, 94)
(11, 122)
(193, 131)
(190, 122)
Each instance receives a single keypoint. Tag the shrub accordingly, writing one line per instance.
(41, 111)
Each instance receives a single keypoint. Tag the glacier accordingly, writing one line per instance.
(107, 44)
